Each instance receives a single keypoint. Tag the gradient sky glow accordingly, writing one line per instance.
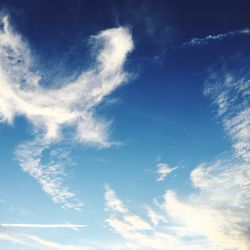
(124, 125)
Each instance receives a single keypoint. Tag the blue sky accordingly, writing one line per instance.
(124, 125)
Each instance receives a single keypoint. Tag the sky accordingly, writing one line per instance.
(124, 125)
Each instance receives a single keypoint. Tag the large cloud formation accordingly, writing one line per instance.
(215, 215)
(51, 109)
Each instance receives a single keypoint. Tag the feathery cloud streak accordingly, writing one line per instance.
(35, 242)
(230, 93)
(52, 109)
(156, 231)
(50, 175)
(206, 40)
(46, 226)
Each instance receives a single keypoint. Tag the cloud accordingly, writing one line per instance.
(163, 170)
(35, 242)
(219, 208)
(230, 93)
(214, 214)
(140, 233)
(210, 38)
(71, 104)
(64, 105)
(113, 202)
(219, 211)
(50, 175)
(127, 224)
(155, 217)
(130, 220)
(46, 226)
(214, 217)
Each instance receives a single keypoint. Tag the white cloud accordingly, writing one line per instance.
(219, 211)
(155, 217)
(215, 215)
(163, 170)
(205, 40)
(49, 175)
(230, 93)
(52, 109)
(46, 226)
(35, 242)
(114, 204)
(71, 104)
(112, 201)
(140, 234)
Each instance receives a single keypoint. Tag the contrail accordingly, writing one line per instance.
(205, 40)
(69, 226)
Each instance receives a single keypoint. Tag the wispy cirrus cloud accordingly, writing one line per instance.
(215, 215)
(35, 242)
(210, 38)
(219, 209)
(72, 104)
(230, 93)
(50, 175)
(67, 105)
(218, 212)
(113, 203)
(46, 226)
(163, 170)
(154, 230)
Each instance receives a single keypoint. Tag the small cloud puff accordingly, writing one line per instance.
(163, 170)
